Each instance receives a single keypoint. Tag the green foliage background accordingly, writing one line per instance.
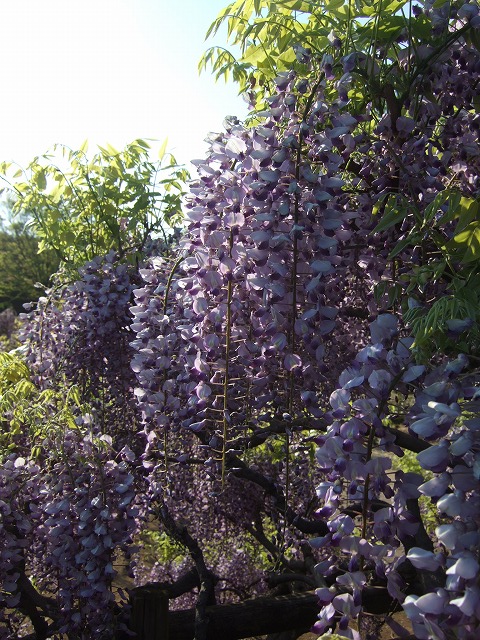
(81, 207)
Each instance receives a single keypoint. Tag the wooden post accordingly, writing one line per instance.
(149, 617)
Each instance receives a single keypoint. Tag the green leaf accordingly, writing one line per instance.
(392, 215)
(41, 180)
(142, 144)
(333, 4)
(74, 395)
(163, 149)
(287, 58)
(297, 5)
(467, 243)
(411, 239)
(254, 54)
(469, 212)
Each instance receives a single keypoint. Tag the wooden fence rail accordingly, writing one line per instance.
(151, 620)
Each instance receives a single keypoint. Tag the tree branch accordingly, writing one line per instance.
(241, 470)
(409, 442)
(206, 596)
(184, 584)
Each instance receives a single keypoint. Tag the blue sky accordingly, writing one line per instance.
(108, 71)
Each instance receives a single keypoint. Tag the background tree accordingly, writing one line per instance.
(83, 207)
(21, 265)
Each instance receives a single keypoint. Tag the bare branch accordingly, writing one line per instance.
(409, 442)
(206, 596)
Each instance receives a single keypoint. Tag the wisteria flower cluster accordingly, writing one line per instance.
(449, 418)
(370, 506)
(246, 319)
(64, 519)
(78, 334)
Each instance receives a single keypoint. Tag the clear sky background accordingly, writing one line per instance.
(108, 71)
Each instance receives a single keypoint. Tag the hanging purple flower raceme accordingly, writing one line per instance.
(85, 509)
(357, 477)
(369, 505)
(84, 534)
(233, 332)
(19, 487)
(449, 419)
(79, 334)
(273, 294)
(248, 302)
(64, 522)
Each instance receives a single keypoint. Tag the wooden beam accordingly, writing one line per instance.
(258, 616)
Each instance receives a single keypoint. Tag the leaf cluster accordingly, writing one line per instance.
(27, 414)
(445, 235)
(273, 37)
(81, 207)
